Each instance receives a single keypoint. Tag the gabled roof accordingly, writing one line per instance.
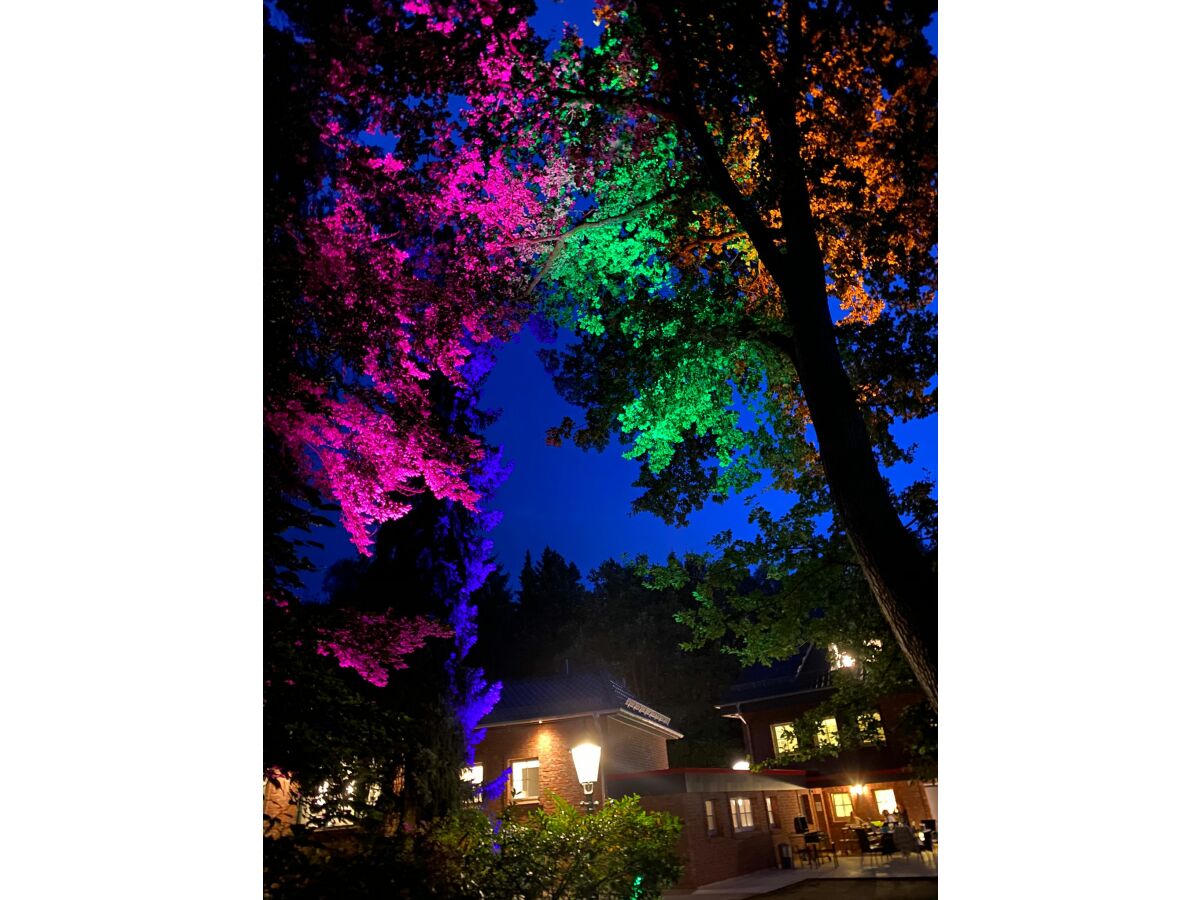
(807, 671)
(564, 696)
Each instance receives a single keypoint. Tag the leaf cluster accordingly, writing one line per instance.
(619, 851)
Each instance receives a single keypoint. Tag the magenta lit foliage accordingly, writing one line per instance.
(421, 256)
(402, 269)
(372, 644)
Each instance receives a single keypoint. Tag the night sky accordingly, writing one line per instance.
(579, 503)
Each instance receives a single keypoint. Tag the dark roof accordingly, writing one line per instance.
(567, 695)
(807, 671)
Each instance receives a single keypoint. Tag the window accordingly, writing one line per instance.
(473, 775)
(741, 813)
(871, 728)
(886, 800)
(771, 814)
(710, 816)
(827, 734)
(843, 807)
(784, 736)
(525, 779)
(839, 659)
(324, 809)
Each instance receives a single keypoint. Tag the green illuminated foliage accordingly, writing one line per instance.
(752, 280)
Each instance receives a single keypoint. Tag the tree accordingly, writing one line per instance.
(388, 278)
(388, 274)
(746, 164)
(339, 725)
(630, 630)
(807, 588)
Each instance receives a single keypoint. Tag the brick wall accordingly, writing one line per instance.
(628, 748)
(624, 748)
(909, 794)
(865, 760)
(279, 803)
(727, 853)
(550, 743)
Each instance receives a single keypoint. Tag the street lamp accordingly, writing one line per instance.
(587, 768)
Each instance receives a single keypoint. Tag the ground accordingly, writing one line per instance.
(858, 889)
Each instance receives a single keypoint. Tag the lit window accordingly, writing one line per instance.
(771, 814)
(885, 799)
(827, 734)
(871, 728)
(525, 779)
(741, 813)
(473, 775)
(843, 808)
(839, 659)
(323, 809)
(785, 738)
(710, 816)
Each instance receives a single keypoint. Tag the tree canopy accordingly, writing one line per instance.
(734, 206)
(753, 280)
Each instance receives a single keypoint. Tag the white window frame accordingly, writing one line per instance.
(710, 817)
(741, 811)
(833, 800)
(771, 820)
(519, 766)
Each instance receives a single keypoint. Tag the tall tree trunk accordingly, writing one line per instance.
(898, 571)
(896, 568)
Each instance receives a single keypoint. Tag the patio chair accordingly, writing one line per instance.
(818, 847)
(887, 843)
(865, 847)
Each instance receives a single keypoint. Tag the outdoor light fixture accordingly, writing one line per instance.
(587, 768)
(742, 765)
(857, 790)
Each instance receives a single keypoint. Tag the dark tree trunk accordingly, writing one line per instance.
(898, 571)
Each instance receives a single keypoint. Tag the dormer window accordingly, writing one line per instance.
(784, 736)
(870, 726)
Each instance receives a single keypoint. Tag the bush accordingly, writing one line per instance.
(619, 851)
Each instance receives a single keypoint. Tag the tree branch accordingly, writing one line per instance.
(618, 101)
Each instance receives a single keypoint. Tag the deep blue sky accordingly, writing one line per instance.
(576, 502)
(579, 503)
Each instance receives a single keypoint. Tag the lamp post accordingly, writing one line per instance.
(587, 768)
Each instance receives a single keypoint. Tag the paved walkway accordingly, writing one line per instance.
(765, 880)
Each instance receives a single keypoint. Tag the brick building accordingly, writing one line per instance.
(861, 782)
(733, 822)
(526, 753)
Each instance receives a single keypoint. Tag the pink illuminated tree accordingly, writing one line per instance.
(405, 213)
